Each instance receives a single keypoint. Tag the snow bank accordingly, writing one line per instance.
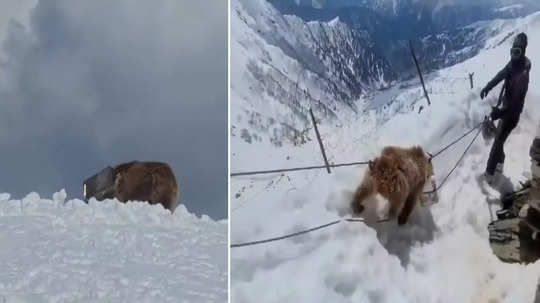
(69, 251)
(441, 255)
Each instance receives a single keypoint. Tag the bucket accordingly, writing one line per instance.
(100, 185)
(489, 130)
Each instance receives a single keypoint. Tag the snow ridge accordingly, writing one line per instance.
(68, 251)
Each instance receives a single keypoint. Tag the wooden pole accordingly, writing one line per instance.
(419, 72)
(320, 141)
(471, 79)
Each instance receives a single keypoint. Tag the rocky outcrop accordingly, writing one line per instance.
(516, 238)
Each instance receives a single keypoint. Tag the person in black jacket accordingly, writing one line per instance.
(516, 82)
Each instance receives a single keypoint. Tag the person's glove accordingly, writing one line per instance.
(484, 92)
(496, 113)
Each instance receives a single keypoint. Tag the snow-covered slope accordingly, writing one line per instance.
(441, 255)
(291, 63)
(69, 251)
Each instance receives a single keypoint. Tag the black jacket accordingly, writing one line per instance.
(516, 77)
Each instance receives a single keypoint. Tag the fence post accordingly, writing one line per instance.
(471, 79)
(419, 72)
(320, 141)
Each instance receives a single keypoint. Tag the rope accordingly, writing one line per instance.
(276, 171)
(296, 169)
(458, 78)
(456, 141)
(457, 163)
(273, 171)
(286, 236)
(348, 220)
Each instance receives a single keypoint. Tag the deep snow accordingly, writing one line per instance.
(442, 255)
(68, 251)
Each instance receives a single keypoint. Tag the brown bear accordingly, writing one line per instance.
(399, 175)
(146, 181)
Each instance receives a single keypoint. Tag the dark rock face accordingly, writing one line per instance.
(517, 239)
(504, 239)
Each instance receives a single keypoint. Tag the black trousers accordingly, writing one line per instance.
(504, 128)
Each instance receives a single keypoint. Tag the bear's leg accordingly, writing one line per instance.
(396, 200)
(410, 202)
(363, 192)
(160, 191)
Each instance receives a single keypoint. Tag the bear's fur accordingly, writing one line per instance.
(146, 181)
(399, 175)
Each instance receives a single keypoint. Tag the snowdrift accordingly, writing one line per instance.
(442, 255)
(69, 251)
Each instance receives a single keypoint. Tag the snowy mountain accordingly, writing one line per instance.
(445, 14)
(290, 64)
(391, 24)
(284, 62)
(442, 254)
(68, 251)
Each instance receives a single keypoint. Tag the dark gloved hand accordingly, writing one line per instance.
(484, 92)
(496, 113)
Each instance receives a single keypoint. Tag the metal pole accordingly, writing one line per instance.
(320, 141)
(471, 79)
(419, 72)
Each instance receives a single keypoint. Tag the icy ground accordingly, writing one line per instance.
(69, 251)
(441, 255)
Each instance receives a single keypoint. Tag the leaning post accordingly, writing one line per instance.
(419, 72)
(320, 141)
(471, 79)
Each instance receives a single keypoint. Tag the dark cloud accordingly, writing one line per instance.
(96, 83)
